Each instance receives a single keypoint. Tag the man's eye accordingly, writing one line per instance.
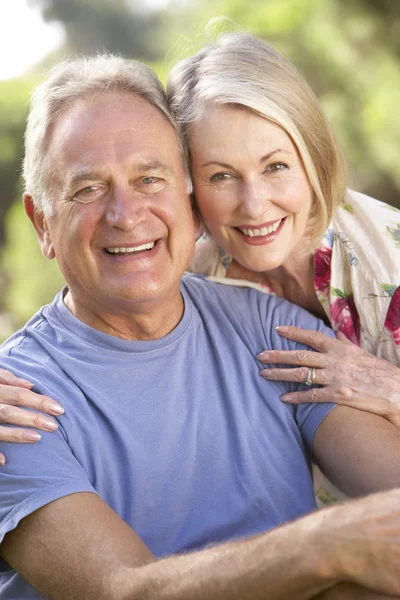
(150, 185)
(150, 180)
(222, 176)
(88, 193)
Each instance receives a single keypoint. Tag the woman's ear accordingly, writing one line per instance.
(40, 224)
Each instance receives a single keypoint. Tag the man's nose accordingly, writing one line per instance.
(124, 209)
(255, 199)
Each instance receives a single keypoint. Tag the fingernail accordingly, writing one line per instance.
(32, 436)
(286, 398)
(49, 424)
(266, 373)
(263, 355)
(2, 461)
(57, 409)
(281, 328)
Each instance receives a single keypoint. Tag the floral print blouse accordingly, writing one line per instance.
(356, 273)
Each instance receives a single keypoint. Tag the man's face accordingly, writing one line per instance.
(122, 227)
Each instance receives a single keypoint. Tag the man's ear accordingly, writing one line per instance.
(39, 222)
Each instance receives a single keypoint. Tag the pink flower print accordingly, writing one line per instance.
(322, 269)
(392, 321)
(345, 317)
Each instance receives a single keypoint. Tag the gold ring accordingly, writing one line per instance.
(311, 377)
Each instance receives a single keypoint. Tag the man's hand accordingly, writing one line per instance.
(348, 374)
(360, 540)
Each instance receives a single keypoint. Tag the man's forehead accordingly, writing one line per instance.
(112, 129)
(112, 116)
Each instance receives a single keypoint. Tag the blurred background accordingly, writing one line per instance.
(348, 50)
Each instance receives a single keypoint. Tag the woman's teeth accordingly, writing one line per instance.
(262, 231)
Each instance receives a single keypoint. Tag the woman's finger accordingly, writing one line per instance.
(8, 378)
(298, 375)
(17, 396)
(340, 336)
(309, 337)
(339, 395)
(18, 435)
(17, 416)
(2, 460)
(294, 357)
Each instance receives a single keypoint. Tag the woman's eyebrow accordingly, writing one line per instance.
(262, 159)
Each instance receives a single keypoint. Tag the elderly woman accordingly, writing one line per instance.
(270, 183)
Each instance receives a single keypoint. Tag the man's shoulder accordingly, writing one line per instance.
(245, 304)
(25, 337)
(30, 353)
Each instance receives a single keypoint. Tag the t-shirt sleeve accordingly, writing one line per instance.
(308, 416)
(36, 474)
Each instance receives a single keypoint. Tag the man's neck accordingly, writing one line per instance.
(149, 322)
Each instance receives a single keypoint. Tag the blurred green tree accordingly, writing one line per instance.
(348, 50)
(119, 26)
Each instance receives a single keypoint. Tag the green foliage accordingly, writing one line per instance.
(348, 50)
(14, 96)
(34, 280)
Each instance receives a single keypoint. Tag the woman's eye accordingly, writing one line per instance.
(220, 176)
(277, 166)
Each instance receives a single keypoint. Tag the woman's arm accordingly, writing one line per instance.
(15, 397)
(348, 375)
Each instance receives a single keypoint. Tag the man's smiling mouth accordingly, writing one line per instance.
(118, 250)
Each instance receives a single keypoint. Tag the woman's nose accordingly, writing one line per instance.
(255, 199)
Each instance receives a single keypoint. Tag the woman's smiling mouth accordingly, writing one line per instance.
(262, 234)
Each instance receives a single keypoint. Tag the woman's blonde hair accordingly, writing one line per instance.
(241, 70)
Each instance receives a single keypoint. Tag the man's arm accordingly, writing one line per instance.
(351, 591)
(358, 451)
(76, 547)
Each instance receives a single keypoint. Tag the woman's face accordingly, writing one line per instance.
(251, 186)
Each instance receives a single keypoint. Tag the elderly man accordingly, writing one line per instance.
(171, 441)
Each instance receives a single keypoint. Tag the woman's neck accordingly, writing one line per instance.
(294, 281)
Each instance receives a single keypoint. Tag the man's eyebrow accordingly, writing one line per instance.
(262, 159)
(83, 175)
(153, 165)
(143, 167)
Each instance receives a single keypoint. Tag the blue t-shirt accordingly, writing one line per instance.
(181, 436)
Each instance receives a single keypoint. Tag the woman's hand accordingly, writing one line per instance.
(348, 374)
(14, 393)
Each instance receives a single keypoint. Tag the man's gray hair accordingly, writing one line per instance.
(67, 83)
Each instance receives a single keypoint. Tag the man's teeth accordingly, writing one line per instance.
(125, 250)
(262, 231)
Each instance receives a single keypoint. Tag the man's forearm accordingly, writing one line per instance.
(356, 543)
(280, 564)
(350, 591)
